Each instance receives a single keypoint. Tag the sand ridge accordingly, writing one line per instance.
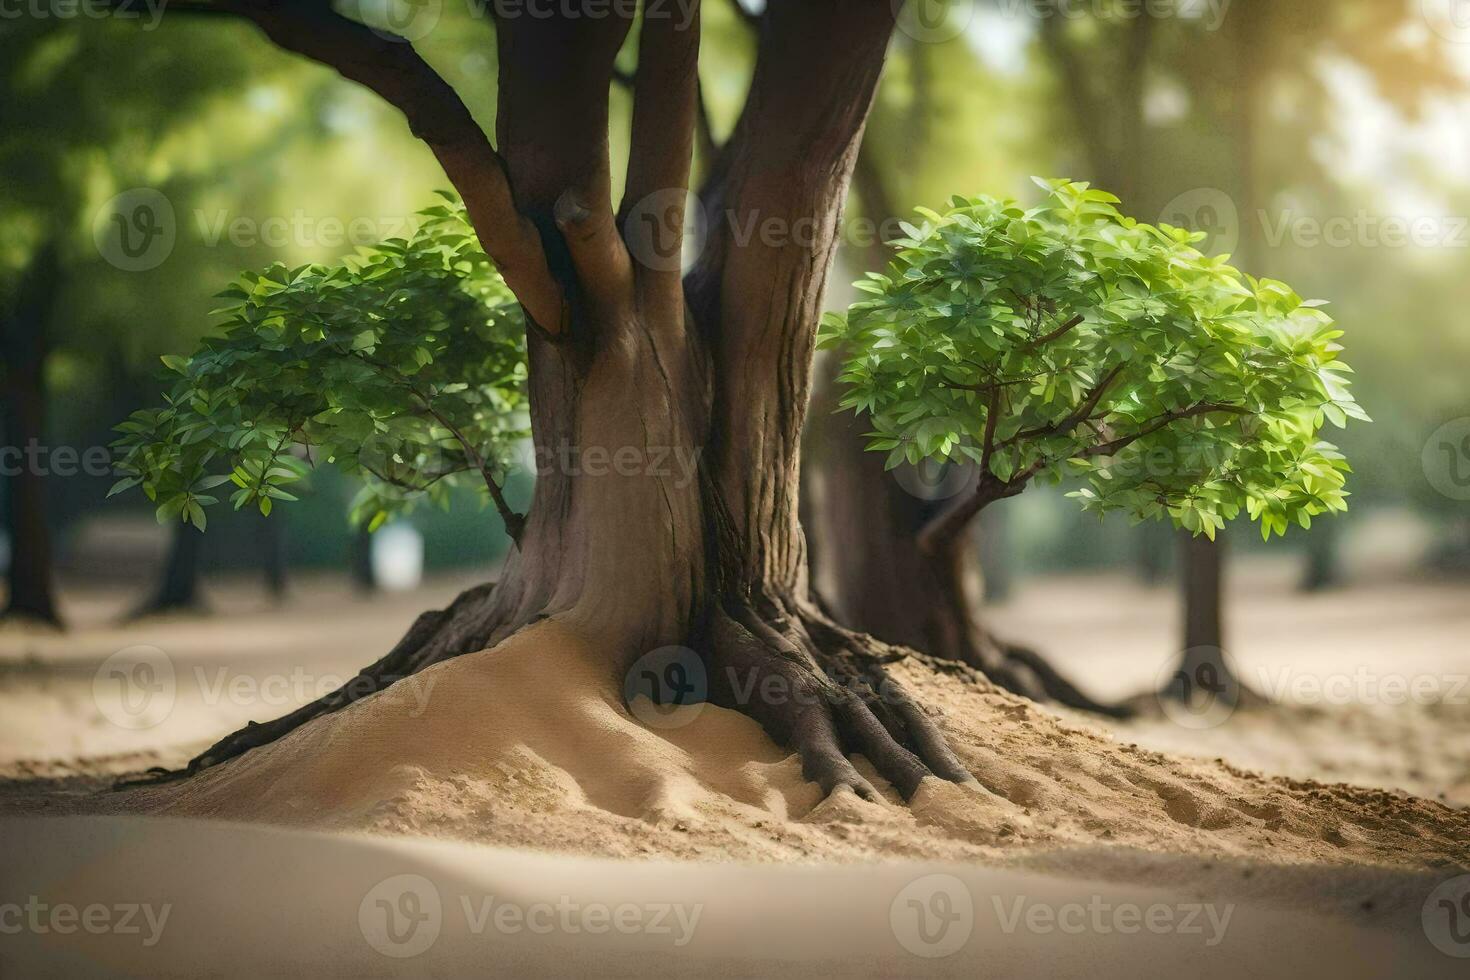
(530, 745)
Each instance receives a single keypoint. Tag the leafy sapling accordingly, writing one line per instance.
(404, 365)
(1067, 340)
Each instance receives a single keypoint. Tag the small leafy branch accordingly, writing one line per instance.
(404, 365)
(1067, 340)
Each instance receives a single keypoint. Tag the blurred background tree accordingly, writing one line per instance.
(1226, 119)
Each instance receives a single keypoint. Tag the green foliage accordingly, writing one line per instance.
(404, 365)
(1069, 340)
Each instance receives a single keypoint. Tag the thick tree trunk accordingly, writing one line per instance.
(178, 588)
(633, 371)
(23, 336)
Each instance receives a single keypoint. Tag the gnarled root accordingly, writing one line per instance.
(813, 685)
(823, 691)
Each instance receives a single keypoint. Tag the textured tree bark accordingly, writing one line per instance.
(23, 336)
(630, 361)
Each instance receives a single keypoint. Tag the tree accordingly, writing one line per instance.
(23, 348)
(1227, 142)
(56, 169)
(627, 355)
(405, 365)
(1066, 340)
(871, 566)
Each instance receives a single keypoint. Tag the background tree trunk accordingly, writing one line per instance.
(1202, 559)
(1324, 562)
(274, 558)
(360, 561)
(24, 352)
(178, 587)
(866, 520)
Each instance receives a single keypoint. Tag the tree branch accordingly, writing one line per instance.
(989, 489)
(514, 523)
(948, 523)
(992, 416)
(666, 113)
(1157, 423)
(1061, 331)
(392, 69)
(1078, 415)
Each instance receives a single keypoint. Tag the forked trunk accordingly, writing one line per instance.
(666, 414)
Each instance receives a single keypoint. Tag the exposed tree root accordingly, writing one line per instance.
(823, 691)
(1202, 680)
(813, 685)
(1025, 672)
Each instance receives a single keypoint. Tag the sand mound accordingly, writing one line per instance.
(530, 745)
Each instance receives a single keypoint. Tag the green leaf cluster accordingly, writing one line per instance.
(1067, 340)
(404, 364)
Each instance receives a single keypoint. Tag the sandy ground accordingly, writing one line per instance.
(228, 900)
(1344, 663)
(485, 751)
